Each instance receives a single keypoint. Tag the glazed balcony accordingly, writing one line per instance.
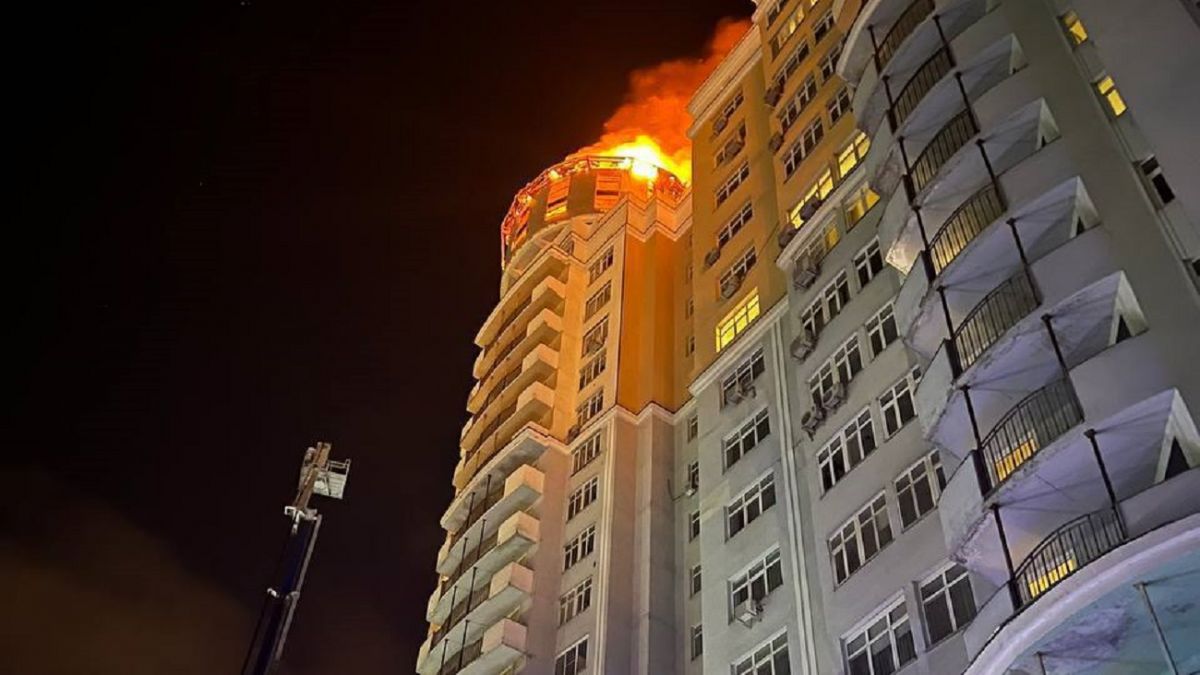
(510, 589)
(516, 493)
(512, 541)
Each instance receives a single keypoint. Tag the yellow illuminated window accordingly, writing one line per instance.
(608, 189)
(556, 198)
(1074, 27)
(852, 154)
(825, 184)
(832, 236)
(1108, 91)
(738, 320)
(1046, 581)
(858, 205)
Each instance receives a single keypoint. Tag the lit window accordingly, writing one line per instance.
(746, 438)
(1108, 91)
(580, 547)
(948, 602)
(1074, 27)
(737, 321)
(556, 198)
(853, 154)
(787, 31)
(769, 658)
(757, 581)
(575, 601)
(868, 263)
(824, 184)
(573, 660)
(917, 489)
(859, 203)
(748, 506)
(896, 404)
(608, 189)
(884, 644)
(582, 497)
(860, 539)
(585, 453)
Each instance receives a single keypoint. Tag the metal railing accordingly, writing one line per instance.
(1035, 422)
(930, 73)
(477, 511)
(999, 310)
(948, 140)
(470, 558)
(460, 611)
(514, 313)
(967, 221)
(461, 660)
(1066, 550)
(900, 30)
(501, 418)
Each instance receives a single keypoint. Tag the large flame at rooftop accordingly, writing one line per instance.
(651, 125)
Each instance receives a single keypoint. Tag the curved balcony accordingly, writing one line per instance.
(545, 307)
(929, 74)
(1066, 550)
(949, 140)
(1034, 423)
(999, 311)
(512, 541)
(540, 286)
(519, 491)
(509, 589)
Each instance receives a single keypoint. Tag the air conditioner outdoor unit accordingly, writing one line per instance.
(712, 257)
(734, 148)
(811, 420)
(730, 286)
(809, 209)
(690, 490)
(835, 397)
(803, 345)
(747, 390)
(775, 142)
(748, 611)
(806, 272)
(735, 395)
(719, 124)
(786, 235)
(573, 433)
(773, 94)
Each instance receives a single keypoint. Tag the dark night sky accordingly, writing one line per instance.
(250, 227)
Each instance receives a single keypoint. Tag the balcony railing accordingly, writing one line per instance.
(930, 73)
(478, 510)
(1068, 549)
(501, 418)
(470, 559)
(513, 314)
(948, 140)
(963, 226)
(459, 611)
(999, 310)
(460, 661)
(1037, 421)
(899, 32)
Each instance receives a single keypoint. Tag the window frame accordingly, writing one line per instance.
(750, 504)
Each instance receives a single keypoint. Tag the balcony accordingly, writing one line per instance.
(999, 311)
(540, 287)
(508, 590)
(949, 139)
(543, 326)
(899, 31)
(500, 647)
(519, 491)
(529, 404)
(540, 364)
(1069, 548)
(1037, 421)
(524, 448)
(513, 540)
(930, 73)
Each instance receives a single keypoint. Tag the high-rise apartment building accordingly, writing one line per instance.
(905, 380)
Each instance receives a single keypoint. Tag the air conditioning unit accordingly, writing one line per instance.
(690, 490)
(747, 389)
(748, 612)
(809, 209)
(835, 397)
(786, 235)
(811, 420)
(775, 142)
(735, 395)
(734, 148)
(773, 94)
(573, 433)
(803, 345)
(806, 272)
(712, 257)
(730, 286)
(719, 124)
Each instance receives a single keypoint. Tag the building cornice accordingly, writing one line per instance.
(732, 69)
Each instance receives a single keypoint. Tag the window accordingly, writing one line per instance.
(592, 369)
(769, 659)
(1154, 176)
(1074, 27)
(742, 441)
(868, 263)
(809, 138)
(693, 525)
(1108, 91)
(896, 404)
(603, 263)
(735, 179)
(842, 366)
(838, 105)
(732, 106)
(598, 300)
(917, 489)
(757, 582)
(837, 294)
(689, 308)
(853, 154)
(693, 474)
(774, 11)
(739, 268)
(689, 345)
(788, 30)
(590, 408)
(823, 26)
(732, 146)
(693, 428)
(813, 318)
(688, 273)
(738, 320)
(743, 375)
(881, 329)
(735, 223)
(821, 188)
(948, 602)
(749, 505)
(593, 339)
(572, 661)
(859, 203)
(847, 449)
(803, 96)
(608, 189)
(582, 497)
(585, 453)
(860, 539)
(884, 646)
(580, 547)
(556, 198)
(573, 602)
(792, 64)
(695, 580)
(829, 63)
(697, 641)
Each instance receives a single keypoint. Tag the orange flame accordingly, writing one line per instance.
(651, 126)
